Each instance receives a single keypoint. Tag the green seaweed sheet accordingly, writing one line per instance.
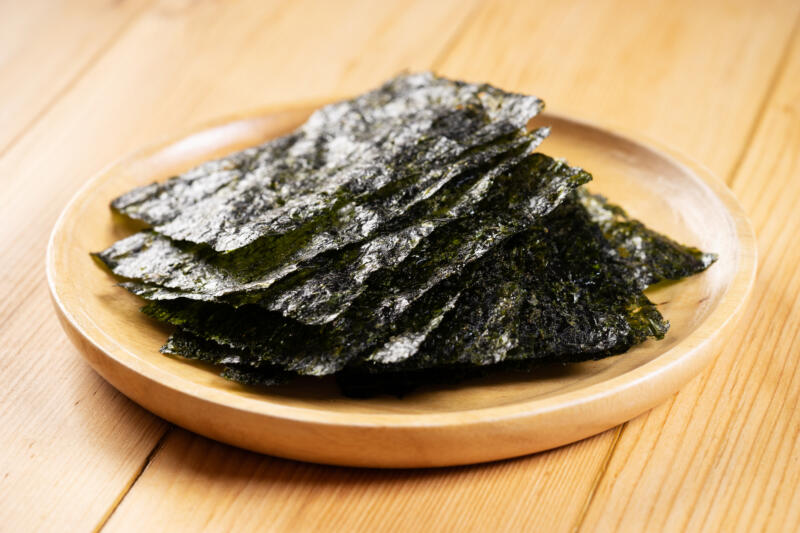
(390, 295)
(490, 322)
(654, 257)
(405, 236)
(237, 364)
(403, 133)
(498, 205)
(554, 291)
(531, 313)
(164, 269)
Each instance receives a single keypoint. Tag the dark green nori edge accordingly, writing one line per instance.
(653, 257)
(238, 365)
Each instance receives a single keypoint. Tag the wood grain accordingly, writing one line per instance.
(71, 444)
(482, 52)
(45, 47)
(693, 74)
(195, 483)
(654, 67)
(722, 455)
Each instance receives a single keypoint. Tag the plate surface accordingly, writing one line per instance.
(481, 420)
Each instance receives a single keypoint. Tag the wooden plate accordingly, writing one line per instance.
(482, 420)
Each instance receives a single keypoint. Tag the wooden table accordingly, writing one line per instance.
(84, 82)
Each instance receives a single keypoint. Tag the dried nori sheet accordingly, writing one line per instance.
(271, 338)
(558, 291)
(405, 236)
(180, 269)
(403, 133)
(554, 291)
(654, 257)
(237, 364)
(400, 270)
(648, 257)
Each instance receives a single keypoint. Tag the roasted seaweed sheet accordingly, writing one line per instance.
(170, 269)
(508, 199)
(557, 290)
(554, 291)
(654, 257)
(400, 141)
(406, 236)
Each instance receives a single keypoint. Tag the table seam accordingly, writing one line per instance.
(134, 479)
(598, 478)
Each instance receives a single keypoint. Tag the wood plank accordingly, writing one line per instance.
(678, 72)
(44, 48)
(194, 483)
(71, 445)
(722, 455)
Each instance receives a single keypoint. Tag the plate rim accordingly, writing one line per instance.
(693, 347)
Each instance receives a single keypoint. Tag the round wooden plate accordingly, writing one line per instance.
(481, 420)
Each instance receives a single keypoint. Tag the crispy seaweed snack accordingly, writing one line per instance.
(392, 297)
(558, 291)
(398, 144)
(507, 197)
(653, 257)
(406, 236)
(183, 268)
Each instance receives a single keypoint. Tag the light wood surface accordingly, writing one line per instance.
(718, 80)
(486, 419)
(45, 48)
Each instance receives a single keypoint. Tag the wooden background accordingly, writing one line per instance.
(84, 82)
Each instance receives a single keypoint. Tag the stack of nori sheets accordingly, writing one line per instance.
(408, 235)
